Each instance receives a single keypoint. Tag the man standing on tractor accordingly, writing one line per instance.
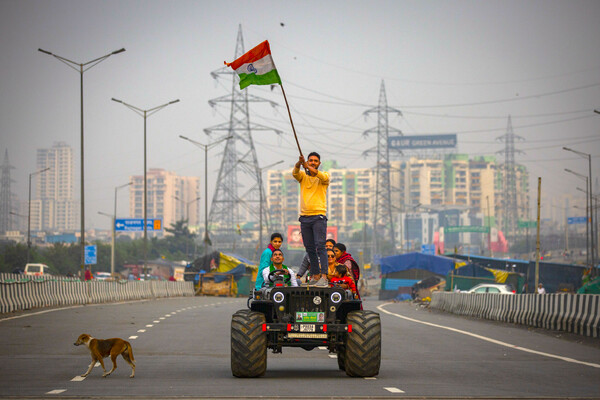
(313, 219)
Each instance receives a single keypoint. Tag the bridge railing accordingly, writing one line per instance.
(575, 313)
(21, 292)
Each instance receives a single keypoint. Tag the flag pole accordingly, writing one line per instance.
(292, 122)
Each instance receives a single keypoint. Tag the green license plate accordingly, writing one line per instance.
(310, 317)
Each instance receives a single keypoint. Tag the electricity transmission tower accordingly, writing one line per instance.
(383, 220)
(239, 185)
(510, 208)
(6, 196)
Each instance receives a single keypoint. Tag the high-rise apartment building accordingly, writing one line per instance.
(418, 185)
(349, 197)
(171, 198)
(53, 207)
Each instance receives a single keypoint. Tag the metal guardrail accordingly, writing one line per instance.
(575, 313)
(21, 292)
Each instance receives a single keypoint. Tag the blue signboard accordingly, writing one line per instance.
(428, 249)
(137, 224)
(422, 142)
(91, 255)
(576, 220)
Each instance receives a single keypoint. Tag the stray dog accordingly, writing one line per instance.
(101, 348)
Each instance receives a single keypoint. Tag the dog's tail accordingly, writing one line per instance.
(130, 352)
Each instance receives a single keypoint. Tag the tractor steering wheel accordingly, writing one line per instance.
(273, 275)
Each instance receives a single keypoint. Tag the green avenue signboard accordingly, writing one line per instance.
(527, 224)
(466, 228)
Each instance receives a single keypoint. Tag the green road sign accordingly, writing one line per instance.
(461, 229)
(527, 224)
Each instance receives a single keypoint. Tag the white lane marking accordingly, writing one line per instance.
(393, 390)
(149, 326)
(167, 315)
(156, 322)
(141, 330)
(322, 348)
(161, 318)
(133, 337)
(97, 364)
(371, 378)
(487, 339)
(78, 378)
(56, 391)
(333, 356)
(70, 307)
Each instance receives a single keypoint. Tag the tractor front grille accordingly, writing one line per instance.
(305, 300)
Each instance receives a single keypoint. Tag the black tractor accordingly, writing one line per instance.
(305, 317)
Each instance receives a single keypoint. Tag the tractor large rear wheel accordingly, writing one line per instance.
(248, 344)
(363, 345)
(341, 357)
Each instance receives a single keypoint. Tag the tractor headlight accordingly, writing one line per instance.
(336, 297)
(278, 297)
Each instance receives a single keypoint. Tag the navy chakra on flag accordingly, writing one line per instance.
(252, 69)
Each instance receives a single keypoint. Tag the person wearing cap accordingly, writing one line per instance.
(540, 289)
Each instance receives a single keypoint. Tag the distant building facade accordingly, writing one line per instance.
(170, 197)
(53, 207)
(427, 186)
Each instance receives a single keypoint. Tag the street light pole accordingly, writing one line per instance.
(114, 230)
(82, 67)
(145, 114)
(592, 246)
(186, 217)
(29, 212)
(487, 198)
(587, 217)
(187, 204)
(206, 147)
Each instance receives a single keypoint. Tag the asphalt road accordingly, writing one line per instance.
(181, 347)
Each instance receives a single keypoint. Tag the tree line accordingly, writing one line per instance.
(65, 258)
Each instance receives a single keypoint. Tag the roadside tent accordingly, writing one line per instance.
(401, 272)
(465, 277)
(222, 273)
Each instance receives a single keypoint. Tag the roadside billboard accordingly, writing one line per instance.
(294, 236)
(422, 142)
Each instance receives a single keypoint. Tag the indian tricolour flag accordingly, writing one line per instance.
(256, 67)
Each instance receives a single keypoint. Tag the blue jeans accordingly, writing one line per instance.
(314, 234)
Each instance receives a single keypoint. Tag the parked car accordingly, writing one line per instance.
(103, 276)
(492, 288)
(36, 269)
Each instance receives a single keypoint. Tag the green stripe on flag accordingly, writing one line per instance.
(269, 78)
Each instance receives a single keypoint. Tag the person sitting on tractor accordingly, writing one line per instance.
(343, 278)
(277, 270)
(265, 258)
(331, 264)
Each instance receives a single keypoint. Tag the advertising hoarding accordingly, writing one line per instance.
(294, 236)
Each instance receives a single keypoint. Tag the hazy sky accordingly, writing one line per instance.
(450, 67)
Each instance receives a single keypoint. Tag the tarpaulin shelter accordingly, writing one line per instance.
(401, 272)
(467, 276)
(591, 286)
(555, 277)
(221, 273)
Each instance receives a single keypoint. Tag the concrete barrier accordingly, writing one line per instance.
(20, 292)
(575, 313)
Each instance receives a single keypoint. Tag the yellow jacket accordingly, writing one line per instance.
(313, 192)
